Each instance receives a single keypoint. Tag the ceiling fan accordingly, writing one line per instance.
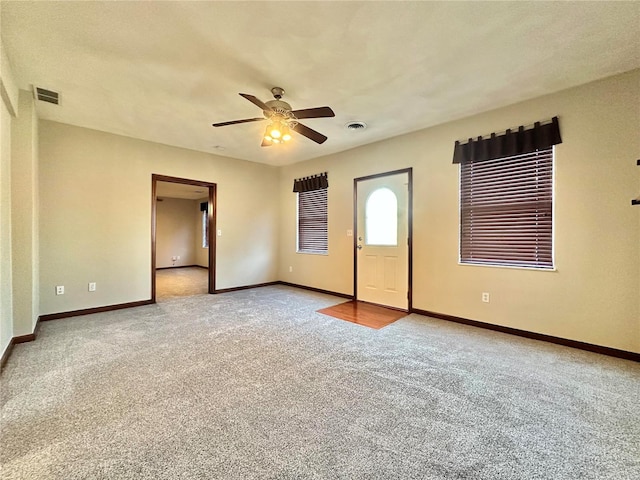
(282, 119)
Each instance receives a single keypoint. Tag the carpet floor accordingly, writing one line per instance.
(256, 384)
(181, 282)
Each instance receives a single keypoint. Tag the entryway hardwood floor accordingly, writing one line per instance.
(366, 314)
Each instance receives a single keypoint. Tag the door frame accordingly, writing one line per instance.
(409, 172)
(211, 237)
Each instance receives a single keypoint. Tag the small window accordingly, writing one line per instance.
(205, 229)
(312, 222)
(506, 211)
(381, 218)
(204, 215)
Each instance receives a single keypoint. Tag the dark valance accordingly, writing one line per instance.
(309, 184)
(204, 206)
(509, 144)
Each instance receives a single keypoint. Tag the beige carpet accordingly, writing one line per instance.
(181, 282)
(255, 384)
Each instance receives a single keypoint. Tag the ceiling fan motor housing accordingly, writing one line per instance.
(278, 107)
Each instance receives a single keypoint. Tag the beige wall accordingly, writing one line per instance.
(593, 296)
(175, 232)
(6, 304)
(95, 212)
(202, 253)
(95, 215)
(8, 110)
(24, 215)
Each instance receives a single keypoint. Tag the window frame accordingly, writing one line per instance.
(318, 235)
(513, 264)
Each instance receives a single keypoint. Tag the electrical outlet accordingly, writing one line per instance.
(485, 297)
(92, 286)
(290, 269)
(349, 233)
(59, 289)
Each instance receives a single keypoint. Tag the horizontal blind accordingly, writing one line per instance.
(506, 208)
(312, 221)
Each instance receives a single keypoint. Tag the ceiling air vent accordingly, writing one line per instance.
(47, 95)
(356, 126)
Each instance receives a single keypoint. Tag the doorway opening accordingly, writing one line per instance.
(382, 240)
(183, 240)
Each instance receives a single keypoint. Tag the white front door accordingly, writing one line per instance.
(382, 240)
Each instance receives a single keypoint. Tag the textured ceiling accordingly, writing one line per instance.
(165, 71)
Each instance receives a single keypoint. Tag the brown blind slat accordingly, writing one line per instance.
(312, 221)
(506, 211)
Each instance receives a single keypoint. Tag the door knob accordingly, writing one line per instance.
(359, 247)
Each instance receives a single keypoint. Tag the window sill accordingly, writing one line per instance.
(313, 253)
(511, 267)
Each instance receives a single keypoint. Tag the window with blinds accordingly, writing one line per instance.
(506, 211)
(312, 222)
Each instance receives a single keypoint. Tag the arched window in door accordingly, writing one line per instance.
(381, 218)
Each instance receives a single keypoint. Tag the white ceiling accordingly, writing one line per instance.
(165, 71)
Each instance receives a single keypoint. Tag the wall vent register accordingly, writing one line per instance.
(49, 96)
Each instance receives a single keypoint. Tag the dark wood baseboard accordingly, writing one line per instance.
(89, 311)
(6, 354)
(318, 290)
(612, 352)
(246, 287)
(30, 337)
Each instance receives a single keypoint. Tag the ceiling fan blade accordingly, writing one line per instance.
(246, 120)
(318, 112)
(266, 143)
(255, 101)
(310, 133)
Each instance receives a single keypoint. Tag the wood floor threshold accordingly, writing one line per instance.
(364, 313)
(388, 307)
(589, 347)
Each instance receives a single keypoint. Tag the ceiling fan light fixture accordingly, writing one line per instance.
(275, 129)
(282, 119)
(286, 136)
